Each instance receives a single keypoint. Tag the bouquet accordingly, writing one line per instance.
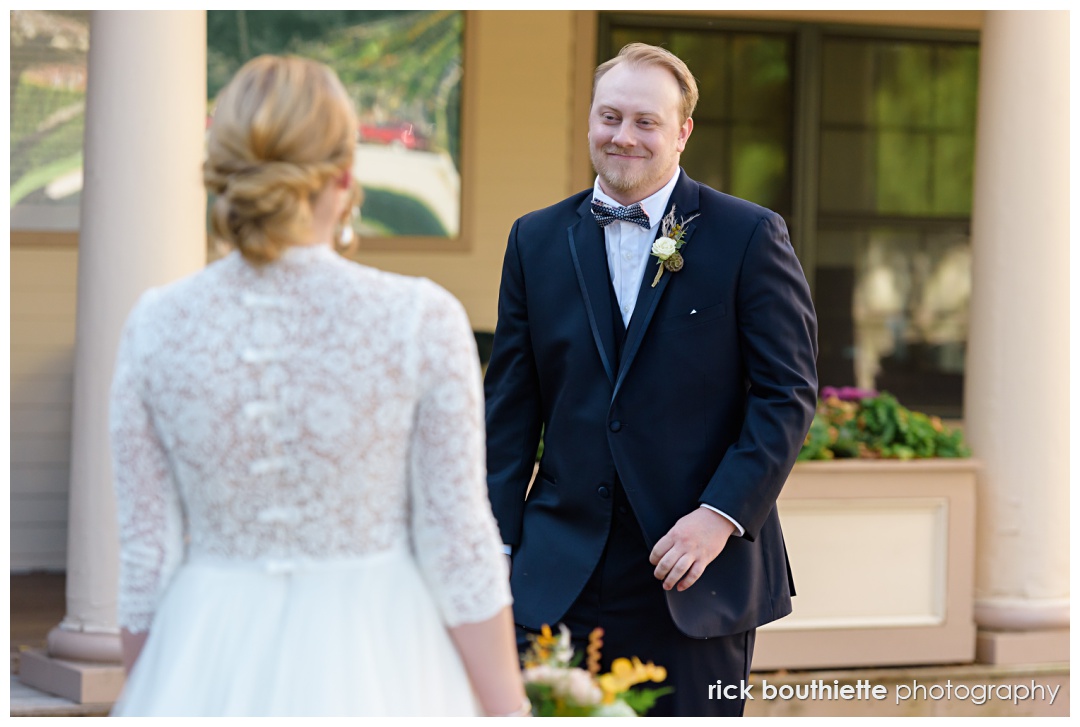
(558, 687)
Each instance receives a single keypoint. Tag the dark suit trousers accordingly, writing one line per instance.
(627, 601)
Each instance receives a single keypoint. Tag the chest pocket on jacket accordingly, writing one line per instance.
(689, 319)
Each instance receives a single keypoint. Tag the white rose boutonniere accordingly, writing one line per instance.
(667, 246)
(664, 248)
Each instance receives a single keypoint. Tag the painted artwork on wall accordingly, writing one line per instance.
(403, 69)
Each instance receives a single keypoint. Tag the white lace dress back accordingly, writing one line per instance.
(307, 431)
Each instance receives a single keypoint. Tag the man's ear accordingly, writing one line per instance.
(684, 134)
(345, 179)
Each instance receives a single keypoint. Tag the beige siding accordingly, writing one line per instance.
(43, 284)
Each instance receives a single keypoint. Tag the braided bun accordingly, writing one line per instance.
(282, 128)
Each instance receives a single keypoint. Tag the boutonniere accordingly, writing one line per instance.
(667, 246)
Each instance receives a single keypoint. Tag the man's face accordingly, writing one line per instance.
(635, 131)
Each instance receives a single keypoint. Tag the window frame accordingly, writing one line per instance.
(806, 217)
(807, 74)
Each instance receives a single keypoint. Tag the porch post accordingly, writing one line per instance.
(1016, 398)
(142, 224)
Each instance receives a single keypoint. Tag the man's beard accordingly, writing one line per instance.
(621, 181)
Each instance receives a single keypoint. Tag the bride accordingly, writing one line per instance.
(298, 449)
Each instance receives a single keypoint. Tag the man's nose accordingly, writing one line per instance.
(624, 135)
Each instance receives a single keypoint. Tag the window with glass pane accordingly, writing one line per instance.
(882, 217)
(742, 138)
(892, 273)
(48, 110)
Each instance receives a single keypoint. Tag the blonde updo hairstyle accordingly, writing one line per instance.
(282, 129)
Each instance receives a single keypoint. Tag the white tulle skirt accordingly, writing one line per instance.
(358, 637)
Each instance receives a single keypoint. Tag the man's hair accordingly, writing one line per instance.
(642, 54)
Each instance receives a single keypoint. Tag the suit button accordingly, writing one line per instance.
(603, 492)
(615, 425)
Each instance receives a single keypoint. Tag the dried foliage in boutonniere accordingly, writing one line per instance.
(667, 246)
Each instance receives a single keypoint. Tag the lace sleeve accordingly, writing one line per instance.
(147, 504)
(454, 533)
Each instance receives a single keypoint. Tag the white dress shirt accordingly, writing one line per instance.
(629, 246)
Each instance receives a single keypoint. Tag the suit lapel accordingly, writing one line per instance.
(685, 199)
(589, 254)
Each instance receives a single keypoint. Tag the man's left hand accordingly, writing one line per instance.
(692, 543)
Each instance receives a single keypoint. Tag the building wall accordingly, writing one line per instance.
(527, 81)
(43, 283)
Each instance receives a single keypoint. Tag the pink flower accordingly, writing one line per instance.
(847, 393)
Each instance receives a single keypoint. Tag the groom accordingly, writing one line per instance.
(673, 395)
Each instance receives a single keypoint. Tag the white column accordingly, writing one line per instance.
(142, 225)
(1016, 397)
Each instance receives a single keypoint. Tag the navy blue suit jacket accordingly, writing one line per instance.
(709, 403)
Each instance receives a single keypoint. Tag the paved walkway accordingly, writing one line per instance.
(29, 702)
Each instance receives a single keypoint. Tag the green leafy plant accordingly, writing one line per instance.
(852, 423)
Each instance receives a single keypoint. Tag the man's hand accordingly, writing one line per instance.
(692, 543)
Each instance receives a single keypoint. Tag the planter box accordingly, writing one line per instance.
(883, 554)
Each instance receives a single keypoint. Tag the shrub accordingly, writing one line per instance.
(853, 423)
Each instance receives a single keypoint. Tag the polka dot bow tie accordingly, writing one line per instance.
(605, 214)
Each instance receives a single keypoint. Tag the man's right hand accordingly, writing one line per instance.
(692, 543)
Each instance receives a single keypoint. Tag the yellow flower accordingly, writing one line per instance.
(543, 644)
(626, 673)
(619, 679)
(610, 686)
(546, 639)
